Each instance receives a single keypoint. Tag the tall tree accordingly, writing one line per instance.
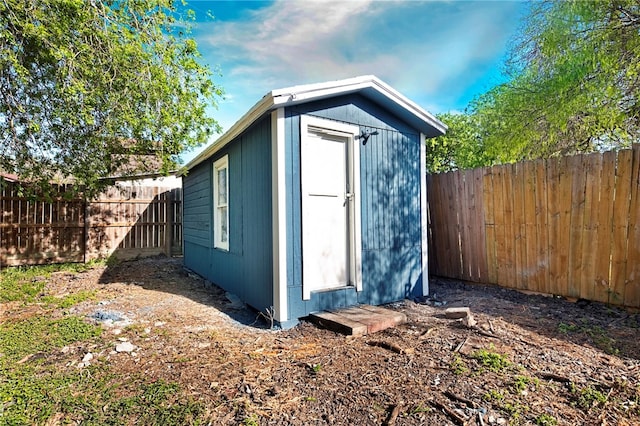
(573, 86)
(460, 148)
(86, 85)
(575, 82)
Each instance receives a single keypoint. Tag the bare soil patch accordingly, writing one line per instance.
(529, 359)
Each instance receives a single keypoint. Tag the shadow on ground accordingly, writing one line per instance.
(610, 329)
(168, 275)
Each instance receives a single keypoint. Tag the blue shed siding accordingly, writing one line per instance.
(390, 206)
(246, 269)
(197, 217)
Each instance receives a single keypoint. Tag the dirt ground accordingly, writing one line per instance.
(529, 360)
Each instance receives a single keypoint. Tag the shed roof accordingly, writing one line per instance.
(369, 86)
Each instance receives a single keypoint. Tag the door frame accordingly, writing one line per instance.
(354, 237)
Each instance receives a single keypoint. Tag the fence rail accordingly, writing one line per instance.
(125, 222)
(567, 226)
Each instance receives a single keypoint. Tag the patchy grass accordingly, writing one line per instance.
(42, 335)
(493, 395)
(493, 361)
(156, 404)
(419, 409)
(521, 383)
(32, 390)
(546, 420)
(458, 366)
(40, 386)
(90, 396)
(588, 397)
(515, 410)
(26, 283)
(70, 299)
(595, 333)
(251, 420)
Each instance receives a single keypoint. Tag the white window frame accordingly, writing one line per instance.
(218, 241)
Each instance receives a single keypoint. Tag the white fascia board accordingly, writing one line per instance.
(279, 216)
(257, 111)
(409, 105)
(306, 93)
(310, 92)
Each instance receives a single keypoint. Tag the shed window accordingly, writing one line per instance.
(221, 203)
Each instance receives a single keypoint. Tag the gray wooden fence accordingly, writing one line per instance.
(124, 222)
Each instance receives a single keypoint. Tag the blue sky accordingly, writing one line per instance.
(440, 54)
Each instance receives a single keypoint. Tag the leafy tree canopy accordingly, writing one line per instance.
(574, 84)
(461, 147)
(87, 86)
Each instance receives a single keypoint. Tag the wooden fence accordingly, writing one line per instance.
(124, 222)
(568, 226)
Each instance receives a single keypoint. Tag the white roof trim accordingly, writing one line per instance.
(311, 92)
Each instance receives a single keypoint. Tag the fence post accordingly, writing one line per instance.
(85, 239)
(168, 237)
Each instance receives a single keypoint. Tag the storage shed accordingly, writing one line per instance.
(315, 199)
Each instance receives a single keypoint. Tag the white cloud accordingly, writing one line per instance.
(424, 49)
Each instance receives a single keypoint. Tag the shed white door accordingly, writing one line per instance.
(328, 228)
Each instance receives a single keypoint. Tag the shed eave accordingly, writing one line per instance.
(369, 86)
(257, 111)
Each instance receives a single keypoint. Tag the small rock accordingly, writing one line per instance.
(158, 324)
(456, 313)
(116, 331)
(88, 357)
(65, 349)
(104, 316)
(469, 321)
(123, 339)
(461, 313)
(147, 330)
(236, 302)
(125, 347)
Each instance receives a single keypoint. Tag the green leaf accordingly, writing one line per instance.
(88, 86)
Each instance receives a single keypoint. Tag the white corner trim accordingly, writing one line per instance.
(279, 216)
(356, 274)
(423, 215)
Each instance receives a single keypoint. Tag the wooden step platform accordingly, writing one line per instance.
(358, 320)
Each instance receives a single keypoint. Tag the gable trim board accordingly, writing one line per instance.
(369, 86)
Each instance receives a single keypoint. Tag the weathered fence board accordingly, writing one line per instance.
(126, 222)
(568, 226)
